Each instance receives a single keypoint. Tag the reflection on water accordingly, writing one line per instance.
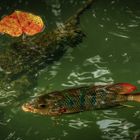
(7, 96)
(78, 77)
(115, 129)
(137, 114)
(119, 35)
(91, 70)
(79, 123)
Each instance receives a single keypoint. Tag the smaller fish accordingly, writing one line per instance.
(82, 99)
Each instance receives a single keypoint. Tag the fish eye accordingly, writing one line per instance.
(42, 105)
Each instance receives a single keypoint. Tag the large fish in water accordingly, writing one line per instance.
(82, 99)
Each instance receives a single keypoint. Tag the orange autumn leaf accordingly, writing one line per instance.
(19, 23)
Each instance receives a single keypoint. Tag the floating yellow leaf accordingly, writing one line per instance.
(19, 23)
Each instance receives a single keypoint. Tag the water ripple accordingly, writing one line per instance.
(119, 35)
(97, 74)
(78, 123)
(115, 129)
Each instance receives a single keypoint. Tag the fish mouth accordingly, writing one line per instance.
(28, 108)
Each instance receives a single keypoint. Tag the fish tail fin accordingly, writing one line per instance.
(122, 88)
(134, 97)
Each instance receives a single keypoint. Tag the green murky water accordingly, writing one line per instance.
(110, 52)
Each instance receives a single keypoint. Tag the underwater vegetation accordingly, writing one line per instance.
(27, 55)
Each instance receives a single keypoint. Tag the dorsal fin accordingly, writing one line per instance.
(122, 88)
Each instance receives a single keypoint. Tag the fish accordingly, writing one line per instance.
(79, 99)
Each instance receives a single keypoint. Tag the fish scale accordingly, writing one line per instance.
(87, 99)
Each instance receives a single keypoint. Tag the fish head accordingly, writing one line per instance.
(39, 106)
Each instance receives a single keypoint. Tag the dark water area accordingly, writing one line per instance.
(109, 53)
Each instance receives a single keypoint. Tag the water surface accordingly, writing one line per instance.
(108, 54)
